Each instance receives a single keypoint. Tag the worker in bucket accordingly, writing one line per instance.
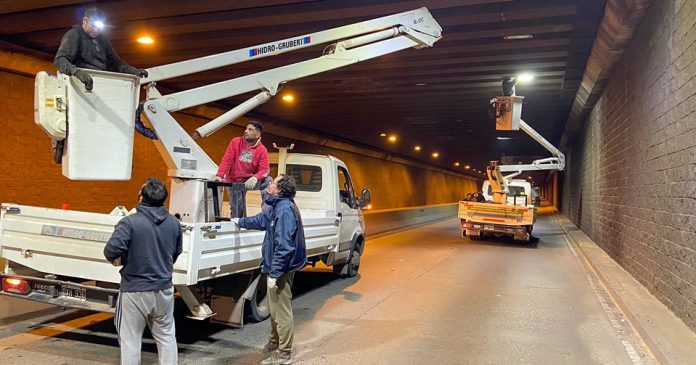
(245, 162)
(84, 46)
(283, 253)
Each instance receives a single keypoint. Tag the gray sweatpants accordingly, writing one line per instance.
(154, 309)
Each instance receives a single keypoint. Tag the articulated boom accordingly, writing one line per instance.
(188, 163)
(508, 112)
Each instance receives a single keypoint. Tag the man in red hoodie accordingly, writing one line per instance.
(245, 161)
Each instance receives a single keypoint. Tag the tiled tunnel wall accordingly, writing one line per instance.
(631, 185)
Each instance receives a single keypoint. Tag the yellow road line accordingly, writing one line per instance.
(54, 330)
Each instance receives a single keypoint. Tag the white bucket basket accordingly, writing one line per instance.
(99, 145)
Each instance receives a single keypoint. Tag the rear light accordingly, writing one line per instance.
(18, 286)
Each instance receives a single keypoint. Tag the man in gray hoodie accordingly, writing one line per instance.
(147, 244)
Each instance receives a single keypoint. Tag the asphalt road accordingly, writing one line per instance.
(423, 296)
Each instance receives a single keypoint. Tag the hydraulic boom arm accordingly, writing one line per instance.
(359, 42)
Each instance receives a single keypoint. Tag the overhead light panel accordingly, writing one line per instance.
(503, 138)
(145, 40)
(525, 77)
(517, 37)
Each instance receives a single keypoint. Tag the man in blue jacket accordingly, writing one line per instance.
(283, 253)
(147, 244)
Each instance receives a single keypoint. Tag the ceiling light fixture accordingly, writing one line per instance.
(467, 167)
(382, 134)
(517, 37)
(456, 164)
(503, 138)
(145, 40)
(288, 98)
(392, 138)
(435, 155)
(417, 148)
(525, 77)
(421, 84)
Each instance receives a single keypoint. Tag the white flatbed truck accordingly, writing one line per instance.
(508, 214)
(55, 256)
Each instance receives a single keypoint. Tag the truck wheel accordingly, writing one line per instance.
(350, 269)
(256, 308)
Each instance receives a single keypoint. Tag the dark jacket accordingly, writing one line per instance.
(284, 248)
(79, 50)
(148, 243)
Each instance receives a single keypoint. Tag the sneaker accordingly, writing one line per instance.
(270, 347)
(278, 357)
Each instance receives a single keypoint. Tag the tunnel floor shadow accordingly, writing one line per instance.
(188, 331)
(505, 241)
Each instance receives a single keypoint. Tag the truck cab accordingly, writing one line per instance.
(520, 193)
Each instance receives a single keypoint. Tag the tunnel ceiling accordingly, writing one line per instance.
(436, 98)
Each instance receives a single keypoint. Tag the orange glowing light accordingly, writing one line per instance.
(145, 40)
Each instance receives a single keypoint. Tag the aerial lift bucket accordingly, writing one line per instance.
(508, 112)
(97, 125)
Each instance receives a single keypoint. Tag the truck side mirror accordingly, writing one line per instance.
(537, 201)
(365, 198)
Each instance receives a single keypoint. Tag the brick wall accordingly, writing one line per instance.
(631, 185)
(30, 177)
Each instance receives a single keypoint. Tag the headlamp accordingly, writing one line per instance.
(98, 24)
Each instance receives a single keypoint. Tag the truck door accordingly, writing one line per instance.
(347, 209)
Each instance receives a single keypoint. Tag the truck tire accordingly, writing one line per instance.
(256, 308)
(352, 266)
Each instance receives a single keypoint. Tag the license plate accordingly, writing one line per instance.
(488, 227)
(73, 292)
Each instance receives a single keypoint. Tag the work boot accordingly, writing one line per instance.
(279, 357)
(270, 347)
